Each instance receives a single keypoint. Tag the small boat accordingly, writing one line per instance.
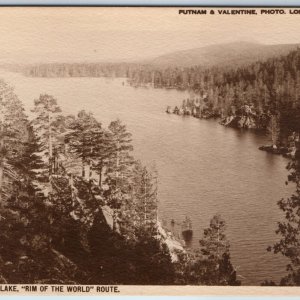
(186, 229)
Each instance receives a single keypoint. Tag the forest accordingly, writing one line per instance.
(77, 69)
(77, 208)
(59, 176)
(263, 95)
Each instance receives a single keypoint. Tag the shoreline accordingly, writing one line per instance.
(241, 122)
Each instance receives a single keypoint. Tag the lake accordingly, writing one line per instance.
(203, 167)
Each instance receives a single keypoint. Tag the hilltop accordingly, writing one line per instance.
(237, 53)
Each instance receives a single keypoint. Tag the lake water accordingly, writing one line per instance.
(204, 168)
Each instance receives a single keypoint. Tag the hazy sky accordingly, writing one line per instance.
(96, 34)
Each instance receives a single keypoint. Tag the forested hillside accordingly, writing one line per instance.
(229, 55)
(263, 95)
(77, 208)
(235, 53)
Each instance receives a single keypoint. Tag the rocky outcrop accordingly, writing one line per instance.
(249, 122)
(246, 117)
(287, 149)
(174, 246)
(275, 150)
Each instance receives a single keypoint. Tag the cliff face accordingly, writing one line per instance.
(249, 121)
(174, 246)
(246, 117)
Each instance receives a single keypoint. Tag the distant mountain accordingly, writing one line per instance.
(237, 53)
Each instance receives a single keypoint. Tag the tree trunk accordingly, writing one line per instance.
(297, 153)
(83, 169)
(1, 179)
(275, 130)
(117, 161)
(1, 162)
(145, 203)
(50, 145)
(71, 184)
(88, 173)
(114, 216)
(100, 174)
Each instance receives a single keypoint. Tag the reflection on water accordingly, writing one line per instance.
(203, 168)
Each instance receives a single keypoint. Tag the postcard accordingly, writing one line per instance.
(149, 150)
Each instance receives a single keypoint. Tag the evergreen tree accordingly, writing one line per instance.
(81, 139)
(47, 131)
(145, 195)
(289, 230)
(214, 265)
(138, 212)
(13, 125)
(103, 152)
(119, 168)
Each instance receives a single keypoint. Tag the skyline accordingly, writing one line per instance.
(39, 35)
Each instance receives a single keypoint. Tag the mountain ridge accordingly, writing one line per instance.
(237, 53)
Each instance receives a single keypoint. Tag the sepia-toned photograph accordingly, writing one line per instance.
(150, 146)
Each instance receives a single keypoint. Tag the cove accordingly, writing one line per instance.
(203, 167)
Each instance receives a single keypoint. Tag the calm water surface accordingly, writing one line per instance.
(204, 168)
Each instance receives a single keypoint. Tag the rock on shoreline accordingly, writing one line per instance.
(284, 151)
(245, 121)
(246, 117)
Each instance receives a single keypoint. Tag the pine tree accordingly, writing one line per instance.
(119, 168)
(29, 162)
(13, 134)
(214, 265)
(138, 211)
(81, 139)
(47, 130)
(121, 159)
(103, 152)
(289, 230)
(145, 196)
(274, 128)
